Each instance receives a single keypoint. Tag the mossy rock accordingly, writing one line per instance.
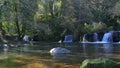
(99, 63)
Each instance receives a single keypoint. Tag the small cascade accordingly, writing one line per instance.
(90, 37)
(102, 37)
(68, 38)
(96, 37)
(84, 40)
(107, 37)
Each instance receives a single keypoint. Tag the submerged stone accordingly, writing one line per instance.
(99, 63)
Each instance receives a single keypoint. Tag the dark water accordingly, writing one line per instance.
(38, 56)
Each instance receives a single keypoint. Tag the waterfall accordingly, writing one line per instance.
(84, 40)
(107, 37)
(102, 37)
(94, 37)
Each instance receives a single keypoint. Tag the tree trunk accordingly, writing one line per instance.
(17, 22)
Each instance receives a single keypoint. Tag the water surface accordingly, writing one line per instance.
(38, 56)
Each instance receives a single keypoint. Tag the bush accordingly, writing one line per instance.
(99, 63)
(95, 27)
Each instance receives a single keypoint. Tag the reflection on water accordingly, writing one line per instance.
(108, 48)
(61, 55)
(38, 56)
(26, 47)
(100, 50)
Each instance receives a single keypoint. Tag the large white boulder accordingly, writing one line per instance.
(59, 50)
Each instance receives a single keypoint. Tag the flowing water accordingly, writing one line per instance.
(107, 37)
(38, 56)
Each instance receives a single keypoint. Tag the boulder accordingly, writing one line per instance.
(36, 38)
(116, 36)
(59, 51)
(89, 37)
(93, 37)
(100, 35)
(100, 63)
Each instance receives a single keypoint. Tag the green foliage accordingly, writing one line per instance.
(8, 27)
(96, 27)
(99, 63)
(21, 17)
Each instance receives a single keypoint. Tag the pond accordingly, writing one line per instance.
(38, 56)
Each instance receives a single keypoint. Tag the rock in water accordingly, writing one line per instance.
(59, 50)
(99, 63)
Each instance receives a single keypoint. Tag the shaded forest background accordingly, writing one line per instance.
(53, 19)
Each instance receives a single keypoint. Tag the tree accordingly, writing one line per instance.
(18, 16)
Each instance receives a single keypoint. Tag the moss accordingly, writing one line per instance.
(99, 63)
(8, 63)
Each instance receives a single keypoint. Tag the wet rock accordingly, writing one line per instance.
(100, 35)
(100, 63)
(116, 36)
(36, 38)
(89, 37)
(59, 50)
